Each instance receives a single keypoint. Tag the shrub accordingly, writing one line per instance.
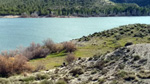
(77, 71)
(13, 65)
(100, 64)
(136, 57)
(4, 81)
(121, 74)
(101, 80)
(41, 76)
(121, 66)
(130, 78)
(114, 82)
(56, 48)
(35, 51)
(27, 79)
(128, 44)
(50, 45)
(70, 58)
(69, 46)
(46, 82)
(61, 82)
(59, 48)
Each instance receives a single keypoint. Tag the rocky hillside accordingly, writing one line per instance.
(126, 65)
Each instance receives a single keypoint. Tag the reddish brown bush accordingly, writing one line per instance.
(70, 58)
(50, 45)
(59, 47)
(13, 65)
(35, 51)
(69, 46)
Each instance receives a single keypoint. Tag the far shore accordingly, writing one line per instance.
(18, 16)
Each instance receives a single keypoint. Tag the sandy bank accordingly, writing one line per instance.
(10, 16)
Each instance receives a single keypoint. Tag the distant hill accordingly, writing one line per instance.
(139, 2)
(81, 8)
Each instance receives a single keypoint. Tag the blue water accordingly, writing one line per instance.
(22, 31)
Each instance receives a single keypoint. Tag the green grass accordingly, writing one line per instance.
(50, 61)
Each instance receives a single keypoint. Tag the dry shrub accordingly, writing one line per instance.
(35, 51)
(50, 45)
(56, 48)
(13, 65)
(59, 47)
(69, 46)
(100, 64)
(70, 58)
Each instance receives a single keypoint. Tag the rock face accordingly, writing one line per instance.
(126, 65)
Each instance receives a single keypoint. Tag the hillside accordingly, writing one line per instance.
(139, 2)
(116, 56)
(126, 65)
(78, 8)
(100, 43)
(109, 40)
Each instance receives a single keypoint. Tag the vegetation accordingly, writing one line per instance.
(16, 61)
(139, 2)
(70, 58)
(13, 65)
(82, 8)
(106, 41)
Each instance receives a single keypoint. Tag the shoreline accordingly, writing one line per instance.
(18, 16)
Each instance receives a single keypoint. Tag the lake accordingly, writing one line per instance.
(22, 31)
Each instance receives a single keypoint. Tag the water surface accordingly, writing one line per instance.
(22, 31)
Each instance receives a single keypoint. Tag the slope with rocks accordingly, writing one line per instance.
(126, 65)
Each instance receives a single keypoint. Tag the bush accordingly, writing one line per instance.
(35, 51)
(61, 82)
(101, 80)
(69, 47)
(56, 48)
(100, 64)
(42, 76)
(136, 57)
(13, 65)
(27, 79)
(121, 74)
(50, 45)
(77, 71)
(128, 44)
(70, 58)
(46, 82)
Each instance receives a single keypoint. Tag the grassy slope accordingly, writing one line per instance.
(50, 61)
(101, 43)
